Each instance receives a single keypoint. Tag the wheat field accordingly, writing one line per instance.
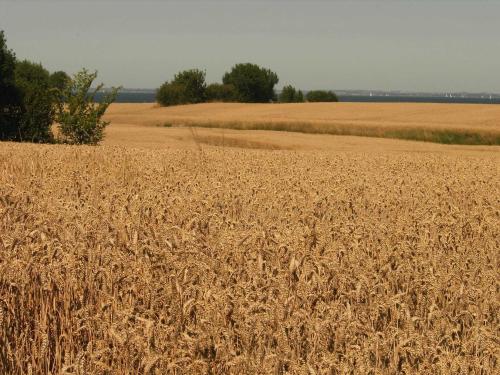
(441, 123)
(212, 251)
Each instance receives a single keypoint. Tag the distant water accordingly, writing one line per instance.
(134, 97)
(149, 97)
(419, 99)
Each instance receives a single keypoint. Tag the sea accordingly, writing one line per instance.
(148, 96)
(418, 99)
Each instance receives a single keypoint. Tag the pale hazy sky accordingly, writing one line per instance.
(433, 45)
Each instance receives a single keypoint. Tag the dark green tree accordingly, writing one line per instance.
(217, 92)
(187, 87)
(300, 97)
(37, 100)
(321, 96)
(290, 95)
(10, 97)
(253, 83)
(194, 84)
(171, 94)
(80, 116)
(59, 80)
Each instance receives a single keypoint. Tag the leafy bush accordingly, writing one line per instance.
(321, 96)
(290, 95)
(59, 80)
(31, 99)
(80, 117)
(10, 96)
(300, 97)
(193, 81)
(171, 94)
(38, 113)
(253, 83)
(217, 92)
(187, 87)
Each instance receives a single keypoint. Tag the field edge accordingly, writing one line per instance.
(442, 136)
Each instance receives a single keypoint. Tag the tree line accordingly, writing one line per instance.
(245, 83)
(39, 106)
(32, 101)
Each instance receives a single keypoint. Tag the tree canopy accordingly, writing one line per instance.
(194, 84)
(10, 96)
(253, 83)
(217, 92)
(31, 99)
(187, 87)
(80, 116)
(321, 96)
(59, 80)
(291, 95)
(246, 82)
(38, 101)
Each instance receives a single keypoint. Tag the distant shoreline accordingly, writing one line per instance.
(146, 96)
(417, 99)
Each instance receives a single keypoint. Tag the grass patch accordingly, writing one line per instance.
(165, 125)
(436, 135)
(237, 143)
(457, 137)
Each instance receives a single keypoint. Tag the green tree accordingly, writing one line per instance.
(32, 80)
(321, 96)
(187, 87)
(290, 95)
(59, 80)
(80, 116)
(217, 92)
(300, 97)
(10, 96)
(253, 83)
(171, 94)
(194, 84)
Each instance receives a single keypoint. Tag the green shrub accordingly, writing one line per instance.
(171, 94)
(194, 84)
(300, 97)
(59, 80)
(217, 92)
(187, 87)
(253, 83)
(321, 96)
(80, 117)
(290, 95)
